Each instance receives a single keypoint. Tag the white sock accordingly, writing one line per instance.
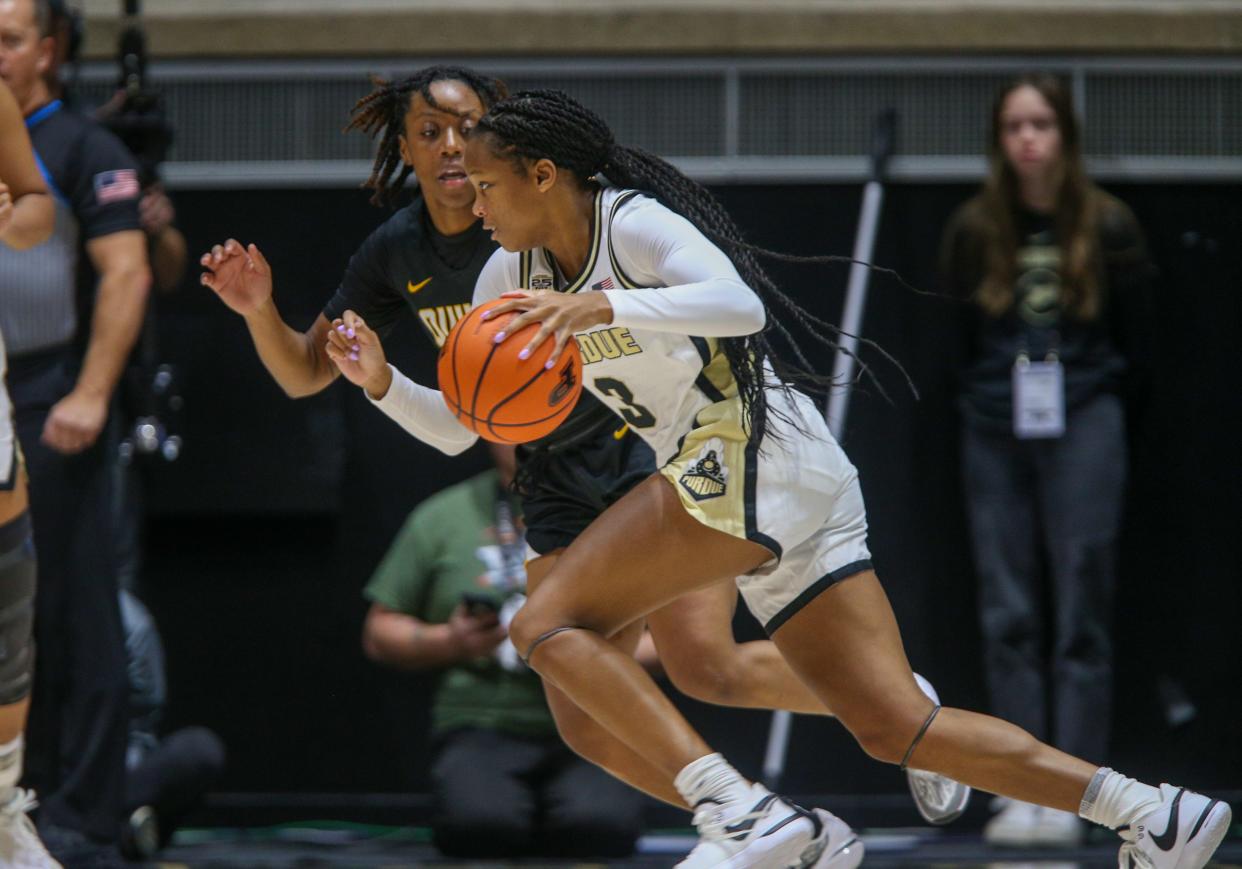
(10, 767)
(711, 777)
(1116, 801)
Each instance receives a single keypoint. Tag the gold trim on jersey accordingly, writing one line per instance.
(588, 267)
(524, 270)
(625, 279)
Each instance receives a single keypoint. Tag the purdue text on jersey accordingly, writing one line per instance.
(610, 343)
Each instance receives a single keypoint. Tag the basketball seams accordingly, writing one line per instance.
(489, 422)
(467, 355)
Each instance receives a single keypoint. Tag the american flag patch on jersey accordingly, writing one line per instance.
(605, 284)
(116, 185)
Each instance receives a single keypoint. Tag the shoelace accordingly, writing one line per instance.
(1131, 856)
(21, 803)
(711, 823)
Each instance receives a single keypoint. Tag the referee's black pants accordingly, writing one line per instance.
(76, 735)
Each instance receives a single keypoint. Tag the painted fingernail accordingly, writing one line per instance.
(486, 315)
(340, 327)
(550, 363)
(353, 357)
(350, 332)
(525, 354)
(355, 348)
(500, 336)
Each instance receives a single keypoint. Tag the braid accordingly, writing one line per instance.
(382, 112)
(550, 124)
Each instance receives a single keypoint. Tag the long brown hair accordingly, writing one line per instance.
(1074, 219)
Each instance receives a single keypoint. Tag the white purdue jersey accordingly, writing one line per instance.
(672, 291)
(674, 295)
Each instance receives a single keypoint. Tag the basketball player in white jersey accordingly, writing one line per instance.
(750, 484)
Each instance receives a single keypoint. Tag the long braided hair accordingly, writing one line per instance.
(537, 124)
(382, 113)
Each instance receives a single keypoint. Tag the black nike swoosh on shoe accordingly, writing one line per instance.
(798, 812)
(1166, 840)
(1203, 817)
(743, 827)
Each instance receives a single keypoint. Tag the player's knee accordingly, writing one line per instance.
(17, 590)
(885, 730)
(536, 625)
(705, 676)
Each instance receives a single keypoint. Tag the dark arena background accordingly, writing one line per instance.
(260, 536)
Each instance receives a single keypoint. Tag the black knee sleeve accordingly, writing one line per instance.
(17, 590)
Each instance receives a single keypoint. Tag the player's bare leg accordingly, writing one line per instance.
(694, 636)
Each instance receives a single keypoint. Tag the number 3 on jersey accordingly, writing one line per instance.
(633, 413)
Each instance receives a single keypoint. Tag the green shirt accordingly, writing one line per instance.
(449, 546)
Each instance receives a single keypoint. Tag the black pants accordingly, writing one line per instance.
(76, 735)
(506, 796)
(1050, 508)
(173, 777)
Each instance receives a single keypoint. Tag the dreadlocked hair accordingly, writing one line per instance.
(538, 124)
(382, 113)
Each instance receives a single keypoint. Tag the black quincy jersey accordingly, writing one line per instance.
(405, 263)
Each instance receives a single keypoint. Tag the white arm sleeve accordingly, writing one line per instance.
(696, 289)
(499, 275)
(422, 412)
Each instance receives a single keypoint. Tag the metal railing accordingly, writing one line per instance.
(277, 123)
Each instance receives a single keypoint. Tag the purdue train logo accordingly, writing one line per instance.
(707, 477)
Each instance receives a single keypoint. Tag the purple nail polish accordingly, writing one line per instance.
(550, 363)
(353, 357)
(340, 327)
(355, 348)
(500, 336)
(349, 332)
(525, 354)
(486, 315)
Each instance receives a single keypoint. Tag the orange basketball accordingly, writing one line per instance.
(495, 394)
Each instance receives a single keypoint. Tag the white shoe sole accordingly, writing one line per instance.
(768, 852)
(843, 850)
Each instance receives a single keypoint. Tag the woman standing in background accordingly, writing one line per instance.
(1060, 320)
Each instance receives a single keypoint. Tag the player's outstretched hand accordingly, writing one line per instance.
(239, 275)
(355, 349)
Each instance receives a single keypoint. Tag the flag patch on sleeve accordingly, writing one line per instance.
(116, 185)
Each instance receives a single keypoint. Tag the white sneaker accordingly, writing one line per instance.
(769, 832)
(1181, 834)
(1014, 825)
(1057, 829)
(940, 800)
(844, 849)
(20, 846)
